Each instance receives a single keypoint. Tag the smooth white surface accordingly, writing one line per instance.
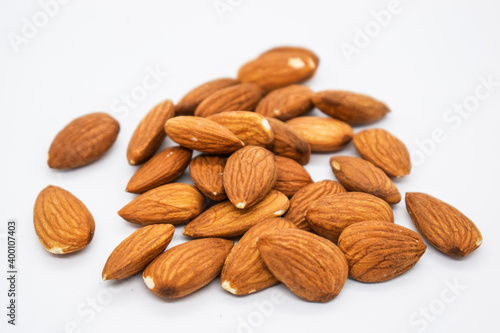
(428, 58)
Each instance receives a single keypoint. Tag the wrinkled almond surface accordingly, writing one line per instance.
(207, 172)
(288, 143)
(286, 103)
(291, 176)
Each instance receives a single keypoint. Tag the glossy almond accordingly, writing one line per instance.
(353, 108)
(291, 176)
(187, 267)
(225, 220)
(288, 143)
(359, 175)
(286, 103)
(83, 141)
(312, 267)
(295, 50)
(163, 168)
(62, 222)
(442, 225)
(323, 134)
(171, 203)
(206, 172)
(137, 250)
(332, 214)
(150, 133)
(380, 251)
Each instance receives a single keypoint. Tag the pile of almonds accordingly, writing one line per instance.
(250, 181)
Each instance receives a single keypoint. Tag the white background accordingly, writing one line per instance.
(426, 59)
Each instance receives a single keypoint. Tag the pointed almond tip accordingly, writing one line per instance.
(104, 277)
(241, 205)
(227, 286)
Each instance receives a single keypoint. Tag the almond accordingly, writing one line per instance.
(291, 176)
(312, 267)
(288, 143)
(244, 271)
(225, 220)
(137, 250)
(243, 97)
(249, 127)
(201, 134)
(332, 214)
(442, 225)
(306, 196)
(322, 134)
(384, 150)
(187, 267)
(163, 168)
(62, 222)
(359, 175)
(379, 251)
(294, 50)
(286, 103)
(188, 104)
(353, 108)
(250, 174)
(206, 172)
(83, 141)
(172, 203)
(149, 135)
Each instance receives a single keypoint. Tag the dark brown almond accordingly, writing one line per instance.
(291, 176)
(206, 172)
(286, 103)
(288, 143)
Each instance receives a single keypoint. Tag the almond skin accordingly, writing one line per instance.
(359, 175)
(251, 128)
(442, 225)
(379, 251)
(384, 150)
(149, 134)
(172, 203)
(83, 141)
(294, 50)
(312, 267)
(291, 176)
(225, 220)
(288, 143)
(286, 103)
(353, 108)
(163, 168)
(137, 250)
(62, 222)
(206, 172)
(323, 134)
(201, 134)
(250, 174)
(243, 97)
(187, 267)
(188, 104)
(306, 196)
(331, 215)
(244, 271)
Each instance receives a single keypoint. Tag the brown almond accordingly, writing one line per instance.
(288, 143)
(291, 176)
(206, 172)
(286, 103)
(294, 50)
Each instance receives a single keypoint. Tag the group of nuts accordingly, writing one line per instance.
(251, 172)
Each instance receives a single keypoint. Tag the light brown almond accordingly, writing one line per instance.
(206, 172)
(294, 50)
(286, 103)
(291, 176)
(288, 143)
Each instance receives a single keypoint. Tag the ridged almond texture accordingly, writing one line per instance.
(250, 174)
(442, 225)
(171, 203)
(291, 176)
(323, 134)
(201, 134)
(353, 108)
(379, 251)
(359, 175)
(149, 134)
(332, 214)
(243, 97)
(137, 250)
(244, 271)
(288, 143)
(225, 220)
(83, 141)
(312, 267)
(306, 196)
(62, 222)
(163, 168)
(294, 50)
(286, 103)
(384, 150)
(187, 267)
(206, 172)
(188, 104)
(250, 127)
